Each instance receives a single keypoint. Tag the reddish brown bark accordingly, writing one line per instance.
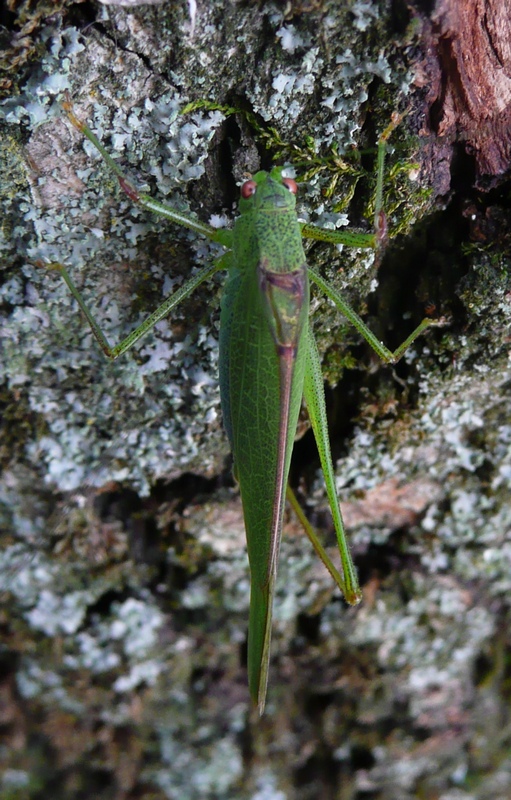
(471, 96)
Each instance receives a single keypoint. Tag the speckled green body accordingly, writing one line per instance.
(262, 365)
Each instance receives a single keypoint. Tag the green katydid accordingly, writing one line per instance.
(268, 362)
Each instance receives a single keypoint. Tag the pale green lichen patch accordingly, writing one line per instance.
(113, 650)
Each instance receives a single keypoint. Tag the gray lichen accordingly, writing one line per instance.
(135, 655)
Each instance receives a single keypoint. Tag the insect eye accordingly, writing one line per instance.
(290, 184)
(248, 189)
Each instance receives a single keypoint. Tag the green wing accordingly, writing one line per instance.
(263, 347)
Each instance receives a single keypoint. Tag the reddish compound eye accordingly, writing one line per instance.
(248, 189)
(290, 184)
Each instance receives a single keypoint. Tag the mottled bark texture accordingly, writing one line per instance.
(124, 620)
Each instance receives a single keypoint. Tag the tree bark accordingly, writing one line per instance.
(124, 623)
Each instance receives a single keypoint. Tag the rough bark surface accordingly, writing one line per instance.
(471, 92)
(124, 604)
